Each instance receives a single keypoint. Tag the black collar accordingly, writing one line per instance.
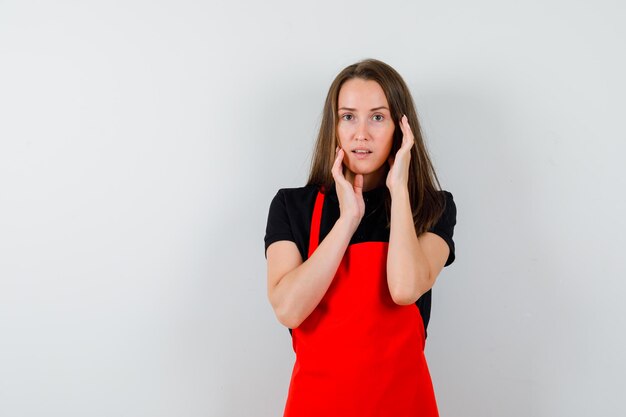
(375, 194)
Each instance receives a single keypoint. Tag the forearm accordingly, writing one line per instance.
(300, 290)
(408, 275)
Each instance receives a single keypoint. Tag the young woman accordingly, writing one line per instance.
(353, 255)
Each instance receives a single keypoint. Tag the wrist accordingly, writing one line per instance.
(399, 192)
(348, 224)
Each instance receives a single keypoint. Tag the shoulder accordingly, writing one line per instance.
(449, 205)
(444, 226)
(297, 193)
(449, 199)
(447, 194)
(294, 199)
(293, 202)
(289, 216)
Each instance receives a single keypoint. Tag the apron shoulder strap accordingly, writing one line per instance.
(314, 235)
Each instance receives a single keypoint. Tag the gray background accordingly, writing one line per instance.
(141, 144)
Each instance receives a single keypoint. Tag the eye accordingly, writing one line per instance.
(378, 115)
(346, 115)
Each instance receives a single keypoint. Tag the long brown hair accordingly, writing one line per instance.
(426, 201)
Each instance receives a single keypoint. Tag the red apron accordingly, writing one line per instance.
(359, 353)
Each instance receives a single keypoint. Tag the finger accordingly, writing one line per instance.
(402, 124)
(405, 123)
(407, 132)
(337, 169)
(404, 130)
(335, 162)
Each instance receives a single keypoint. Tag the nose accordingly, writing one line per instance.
(361, 130)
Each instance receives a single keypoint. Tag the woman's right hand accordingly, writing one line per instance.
(351, 203)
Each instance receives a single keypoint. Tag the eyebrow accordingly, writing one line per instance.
(351, 109)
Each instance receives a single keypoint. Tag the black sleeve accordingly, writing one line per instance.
(278, 225)
(445, 225)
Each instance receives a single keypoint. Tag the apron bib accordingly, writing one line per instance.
(359, 353)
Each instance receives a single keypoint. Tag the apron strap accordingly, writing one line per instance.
(314, 235)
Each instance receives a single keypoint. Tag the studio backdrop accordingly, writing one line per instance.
(141, 143)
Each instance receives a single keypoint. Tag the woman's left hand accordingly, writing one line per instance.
(398, 176)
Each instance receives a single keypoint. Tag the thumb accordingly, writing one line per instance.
(358, 185)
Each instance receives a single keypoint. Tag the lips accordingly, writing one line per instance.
(361, 153)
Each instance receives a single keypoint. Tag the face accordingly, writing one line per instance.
(365, 129)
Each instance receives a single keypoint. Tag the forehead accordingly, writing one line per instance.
(361, 94)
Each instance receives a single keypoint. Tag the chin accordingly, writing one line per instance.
(364, 169)
(360, 170)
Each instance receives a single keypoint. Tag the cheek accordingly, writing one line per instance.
(385, 155)
(342, 136)
(388, 138)
(385, 138)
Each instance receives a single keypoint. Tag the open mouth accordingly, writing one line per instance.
(361, 154)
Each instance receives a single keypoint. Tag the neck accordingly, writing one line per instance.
(370, 181)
